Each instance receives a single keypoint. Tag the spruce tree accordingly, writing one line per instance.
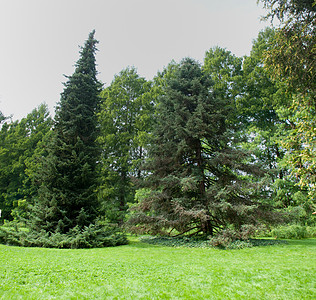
(200, 180)
(66, 209)
(67, 195)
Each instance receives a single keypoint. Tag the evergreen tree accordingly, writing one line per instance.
(2, 117)
(66, 209)
(199, 181)
(67, 196)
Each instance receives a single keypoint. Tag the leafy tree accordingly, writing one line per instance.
(199, 182)
(259, 104)
(19, 141)
(292, 60)
(126, 120)
(225, 71)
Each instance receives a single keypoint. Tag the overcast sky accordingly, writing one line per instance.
(40, 39)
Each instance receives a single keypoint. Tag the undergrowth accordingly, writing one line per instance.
(92, 236)
(202, 243)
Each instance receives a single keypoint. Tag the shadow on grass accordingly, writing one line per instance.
(303, 242)
(135, 243)
(153, 242)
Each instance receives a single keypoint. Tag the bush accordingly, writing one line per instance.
(311, 231)
(290, 232)
(93, 236)
(235, 239)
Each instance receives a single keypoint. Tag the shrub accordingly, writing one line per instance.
(92, 236)
(290, 232)
(311, 231)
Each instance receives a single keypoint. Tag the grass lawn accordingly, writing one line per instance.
(142, 271)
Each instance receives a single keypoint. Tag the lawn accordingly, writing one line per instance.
(142, 271)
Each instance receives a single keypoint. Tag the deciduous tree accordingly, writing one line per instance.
(19, 141)
(126, 119)
(291, 60)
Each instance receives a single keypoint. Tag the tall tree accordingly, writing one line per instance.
(257, 105)
(66, 206)
(291, 60)
(225, 70)
(265, 126)
(19, 141)
(67, 195)
(198, 181)
(126, 120)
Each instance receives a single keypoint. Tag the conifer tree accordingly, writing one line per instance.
(67, 195)
(66, 211)
(200, 181)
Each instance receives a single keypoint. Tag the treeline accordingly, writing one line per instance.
(226, 145)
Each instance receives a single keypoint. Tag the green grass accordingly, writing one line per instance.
(143, 271)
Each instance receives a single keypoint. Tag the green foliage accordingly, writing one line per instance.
(184, 241)
(92, 236)
(227, 240)
(291, 60)
(2, 117)
(311, 231)
(290, 232)
(19, 142)
(268, 129)
(66, 202)
(62, 173)
(126, 120)
(200, 180)
(225, 72)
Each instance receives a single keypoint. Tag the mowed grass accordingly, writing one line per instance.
(142, 271)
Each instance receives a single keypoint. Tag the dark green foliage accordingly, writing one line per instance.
(18, 143)
(2, 117)
(200, 182)
(66, 208)
(92, 236)
(67, 197)
(183, 241)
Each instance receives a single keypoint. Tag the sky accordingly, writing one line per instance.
(40, 40)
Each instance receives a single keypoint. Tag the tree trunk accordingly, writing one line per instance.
(207, 227)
